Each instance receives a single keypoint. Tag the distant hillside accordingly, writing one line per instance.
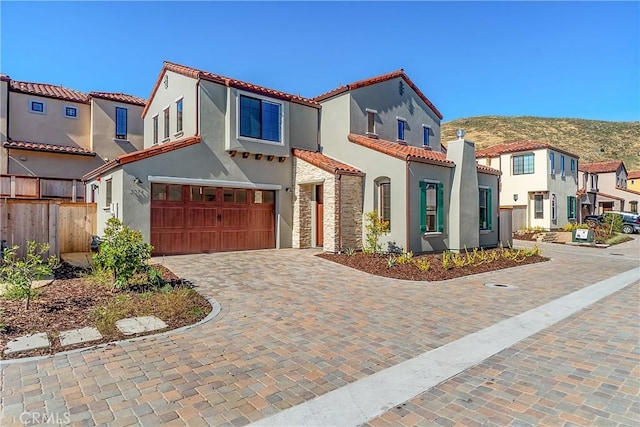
(592, 140)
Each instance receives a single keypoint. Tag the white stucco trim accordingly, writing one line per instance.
(212, 182)
(310, 181)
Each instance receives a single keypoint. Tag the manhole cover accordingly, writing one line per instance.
(499, 286)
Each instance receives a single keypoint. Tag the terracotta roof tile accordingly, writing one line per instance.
(49, 91)
(119, 97)
(403, 152)
(633, 175)
(51, 148)
(600, 167)
(238, 84)
(581, 192)
(518, 146)
(325, 162)
(609, 196)
(142, 154)
(628, 190)
(379, 79)
(487, 169)
(4, 78)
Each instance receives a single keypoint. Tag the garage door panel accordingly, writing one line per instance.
(203, 241)
(167, 242)
(202, 217)
(167, 217)
(235, 217)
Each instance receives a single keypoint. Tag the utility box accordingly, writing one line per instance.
(583, 235)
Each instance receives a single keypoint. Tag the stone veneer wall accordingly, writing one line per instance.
(351, 212)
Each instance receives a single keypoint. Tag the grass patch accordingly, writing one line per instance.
(617, 239)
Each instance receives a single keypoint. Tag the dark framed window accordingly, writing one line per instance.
(427, 133)
(523, 164)
(554, 208)
(485, 208)
(371, 122)
(36, 107)
(431, 207)
(166, 123)
(71, 112)
(633, 206)
(384, 202)
(260, 119)
(121, 123)
(171, 192)
(552, 163)
(571, 207)
(179, 115)
(573, 165)
(108, 192)
(562, 173)
(401, 125)
(155, 129)
(538, 206)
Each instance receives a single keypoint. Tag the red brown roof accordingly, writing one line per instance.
(488, 170)
(518, 146)
(628, 190)
(325, 162)
(609, 196)
(142, 154)
(50, 148)
(633, 175)
(118, 97)
(4, 78)
(600, 167)
(226, 81)
(379, 79)
(49, 91)
(401, 151)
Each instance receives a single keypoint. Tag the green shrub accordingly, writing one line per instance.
(20, 273)
(123, 253)
(614, 223)
(391, 261)
(373, 230)
(350, 252)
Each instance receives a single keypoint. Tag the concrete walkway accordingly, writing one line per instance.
(294, 327)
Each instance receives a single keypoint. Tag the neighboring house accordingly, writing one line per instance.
(50, 131)
(603, 187)
(230, 165)
(539, 182)
(633, 180)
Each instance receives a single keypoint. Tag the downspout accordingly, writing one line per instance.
(318, 134)
(407, 206)
(8, 135)
(338, 177)
(197, 107)
(498, 200)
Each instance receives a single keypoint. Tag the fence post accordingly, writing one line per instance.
(73, 191)
(13, 187)
(54, 210)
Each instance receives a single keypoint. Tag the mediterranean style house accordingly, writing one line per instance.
(539, 182)
(230, 165)
(604, 187)
(633, 180)
(50, 131)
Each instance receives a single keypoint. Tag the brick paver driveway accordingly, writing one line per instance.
(292, 327)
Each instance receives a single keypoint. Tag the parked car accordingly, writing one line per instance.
(630, 220)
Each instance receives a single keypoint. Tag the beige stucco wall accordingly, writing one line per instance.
(50, 165)
(103, 129)
(52, 127)
(4, 92)
(178, 86)
(489, 238)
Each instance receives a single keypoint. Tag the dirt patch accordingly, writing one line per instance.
(70, 303)
(378, 266)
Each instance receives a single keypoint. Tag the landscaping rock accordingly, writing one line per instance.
(27, 342)
(75, 336)
(137, 325)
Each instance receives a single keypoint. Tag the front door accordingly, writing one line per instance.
(319, 214)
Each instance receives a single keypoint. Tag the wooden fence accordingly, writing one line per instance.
(67, 227)
(31, 187)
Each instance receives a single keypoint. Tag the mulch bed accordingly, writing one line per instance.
(68, 303)
(377, 265)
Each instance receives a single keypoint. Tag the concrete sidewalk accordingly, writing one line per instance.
(293, 327)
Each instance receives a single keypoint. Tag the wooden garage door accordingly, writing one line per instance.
(193, 219)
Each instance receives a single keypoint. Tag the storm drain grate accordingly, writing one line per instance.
(499, 286)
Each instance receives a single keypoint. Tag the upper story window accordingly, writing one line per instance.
(594, 181)
(426, 130)
(561, 165)
(523, 164)
(38, 107)
(155, 129)
(179, 115)
(552, 163)
(431, 207)
(402, 123)
(260, 119)
(371, 121)
(70, 112)
(121, 123)
(573, 165)
(485, 208)
(166, 123)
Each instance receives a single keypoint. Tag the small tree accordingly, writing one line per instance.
(122, 252)
(614, 223)
(374, 229)
(20, 273)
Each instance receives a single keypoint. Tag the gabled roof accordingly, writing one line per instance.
(375, 80)
(518, 146)
(488, 170)
(402, 152)
(633, 175)
(226, 81)
(50, 148)
(609, 196)
(325, 162)
(49, 91)
(118, 97)
(628, 190)
(601, 167)
(142, 154)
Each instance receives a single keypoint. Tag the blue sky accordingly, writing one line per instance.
(551, 59)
